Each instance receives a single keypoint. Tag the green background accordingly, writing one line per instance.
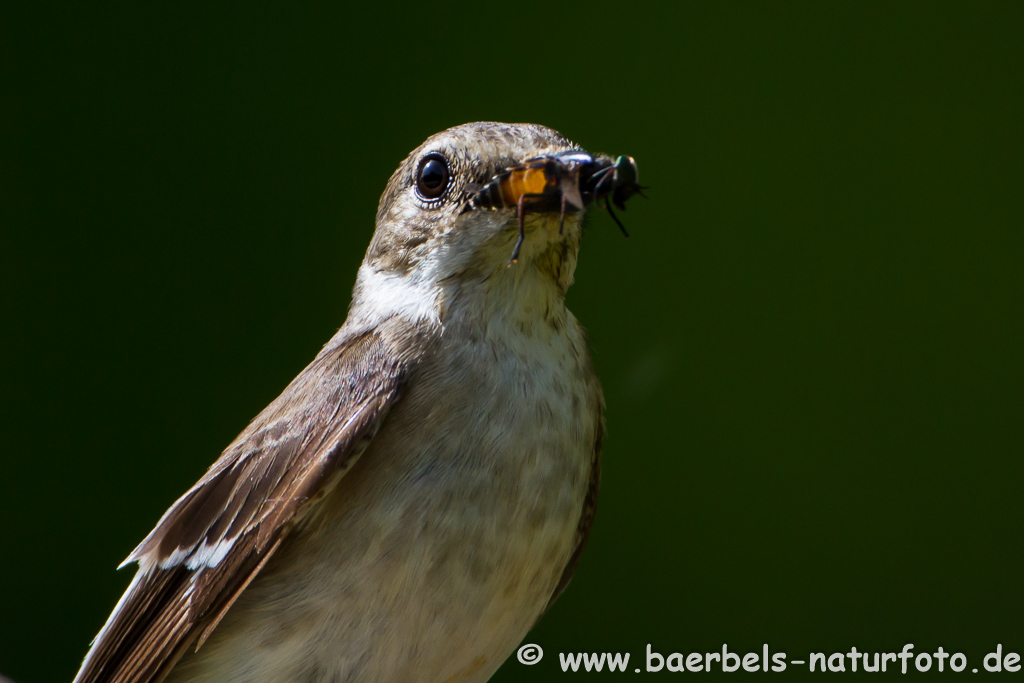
(811, 345)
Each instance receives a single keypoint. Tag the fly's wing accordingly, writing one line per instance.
(214, 540)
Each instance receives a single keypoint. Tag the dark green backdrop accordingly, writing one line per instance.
(811, 345)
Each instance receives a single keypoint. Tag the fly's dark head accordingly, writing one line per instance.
(614, 181)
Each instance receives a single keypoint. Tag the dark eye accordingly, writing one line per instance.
(432, 178)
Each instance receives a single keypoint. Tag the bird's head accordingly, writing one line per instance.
(481, 212)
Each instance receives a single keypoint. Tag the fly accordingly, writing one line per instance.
(566, 182)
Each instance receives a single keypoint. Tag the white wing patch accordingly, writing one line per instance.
(207, 555)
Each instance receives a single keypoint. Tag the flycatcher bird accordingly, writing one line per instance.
(419, 495)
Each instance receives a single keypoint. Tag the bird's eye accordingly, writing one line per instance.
(433, 177)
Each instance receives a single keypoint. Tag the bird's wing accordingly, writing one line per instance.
(214, 540)
(586, 516)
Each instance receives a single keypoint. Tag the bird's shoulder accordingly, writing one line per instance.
(215, 538)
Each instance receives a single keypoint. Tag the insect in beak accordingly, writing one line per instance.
(563, 182)
(615, 182)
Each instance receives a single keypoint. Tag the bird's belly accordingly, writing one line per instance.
(438, 551)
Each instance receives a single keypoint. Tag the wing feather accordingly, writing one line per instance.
(213, 541)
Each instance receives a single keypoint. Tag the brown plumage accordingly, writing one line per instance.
(251, 497)
(469, 387)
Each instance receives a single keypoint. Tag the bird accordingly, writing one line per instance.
(420, 494)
